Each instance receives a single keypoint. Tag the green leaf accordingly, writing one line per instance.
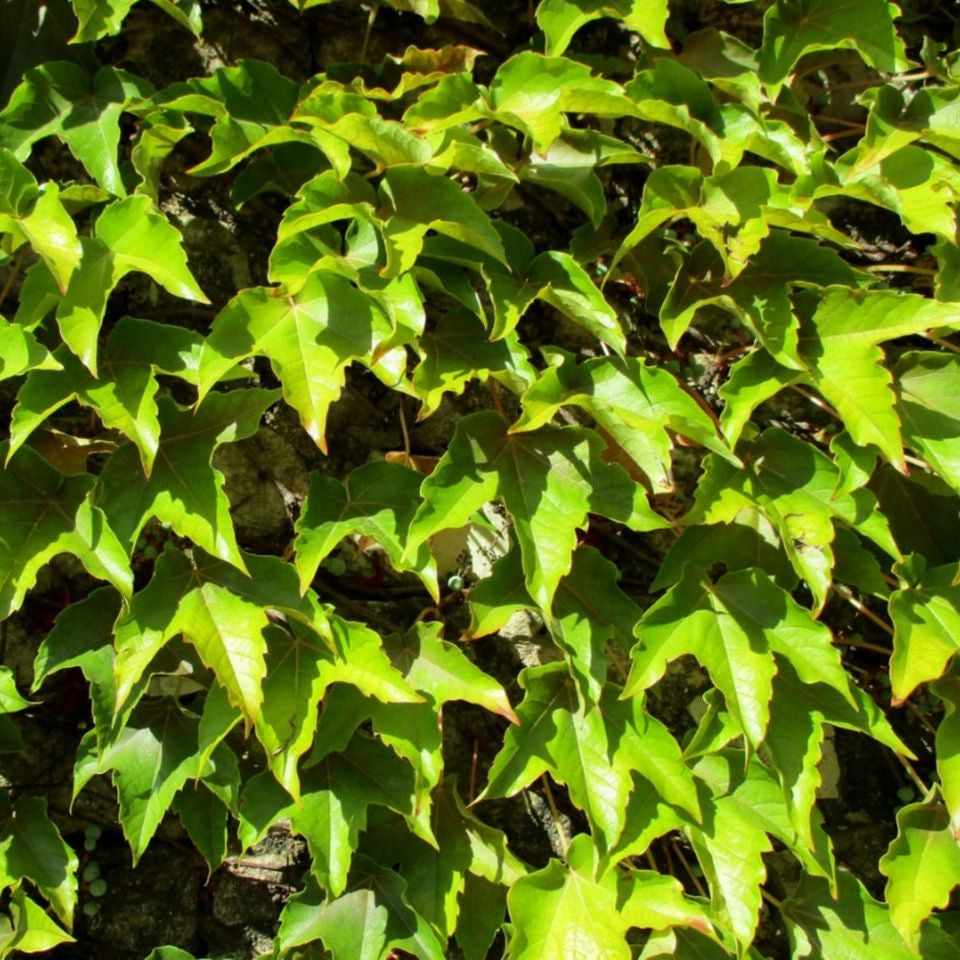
(926, 621)
(590, 749)
(792, 28)
(653, 901)
(844, 358)
(948, 746)
(185, 12)
(745, 806)
(292, 691)
(922, 866)
(205, 818)
(532, 93)
(160, 132)
(440, 669)
(377, 500)
(310, 337)
(733, 627)
(591, 612)
(32, 848)
(386, 142)
(796, 732)
(169, 953)
(37, 216)
(128, 236)
(10, 699)
(21, 352)
(927, 386)
(124, 393)
(221, 611)
(365, 923)
(457, 351)
(795, 485)
(566, 912)
(300, 668)
(99, 18)
(252, 104)
(33, 931)
(361, 660)
(353, 925)
(760, 294)
(753, 379)
(43, 514)
(60, 99)
(561, 19)
(183, 488)
(414, 201)
(82, 636)
(917, 184)
(847, 924)
(549, 479)
(633, 402)
(150, 761)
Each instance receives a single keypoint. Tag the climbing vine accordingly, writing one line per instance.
(706, 425)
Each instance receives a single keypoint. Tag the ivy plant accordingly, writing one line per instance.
(711, 426)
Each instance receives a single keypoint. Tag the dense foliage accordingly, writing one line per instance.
(630, 267)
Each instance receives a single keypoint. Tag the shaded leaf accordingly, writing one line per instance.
(82, 636)
(841, 926)
(124, 393)
(733, 627)
(183, 489)
(457, 351)
(844, 358)
(791, 29)
(550, 479)
(61, 99)
(43, 514)
(927, 386)
(635, 403)
(32, 848)
(150, 761)
(377, 500)
(560, 19)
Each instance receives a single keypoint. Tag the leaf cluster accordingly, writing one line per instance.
(708, 433)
